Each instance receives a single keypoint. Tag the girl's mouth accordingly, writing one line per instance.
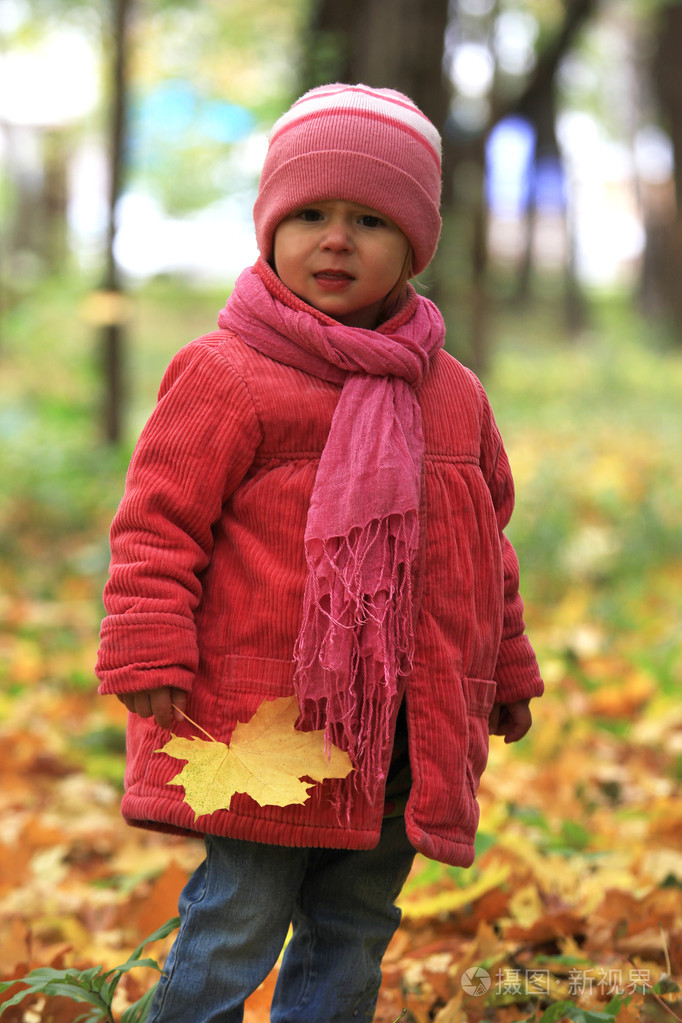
(333, 280)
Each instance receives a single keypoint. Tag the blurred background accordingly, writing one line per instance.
(131, 138)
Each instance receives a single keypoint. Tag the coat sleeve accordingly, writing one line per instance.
(196, 447)
(517, 673)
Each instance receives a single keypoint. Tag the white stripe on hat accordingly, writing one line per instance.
(359, 98)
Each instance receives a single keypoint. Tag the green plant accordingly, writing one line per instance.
(560, 1011)
(95, 986)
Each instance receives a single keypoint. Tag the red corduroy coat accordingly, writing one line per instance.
(207, 580)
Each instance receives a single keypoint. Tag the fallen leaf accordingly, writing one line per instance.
(257, 1005)
(452, 1011)
(526, 905)
(549, 927)
(149, 911)
(450, 900)
(266, 759)
(625, 698)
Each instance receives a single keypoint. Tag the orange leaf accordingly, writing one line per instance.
(152, 909)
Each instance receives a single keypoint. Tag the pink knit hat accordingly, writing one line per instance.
(370, 146)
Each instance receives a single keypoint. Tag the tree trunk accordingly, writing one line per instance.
(538, 104)
(113, 331)
(460, 270)
(55, 199)
(540, 108)
(328, 42)
(480, 300)
(382, 43)
(663, 260)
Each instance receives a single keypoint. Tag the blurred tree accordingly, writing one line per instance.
(382, 43)
(250, 53)
(219, 50)
(113, 327)
(531, 94)
(35, 140)
(538, 102)
(108, 21)
(663, 258)
(387, 43)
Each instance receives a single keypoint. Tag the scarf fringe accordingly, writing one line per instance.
(354, 646)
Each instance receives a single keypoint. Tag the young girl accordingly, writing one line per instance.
(316, 506)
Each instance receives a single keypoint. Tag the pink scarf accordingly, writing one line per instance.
(362, 530)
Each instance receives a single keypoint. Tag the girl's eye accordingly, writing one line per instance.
(367, 220)
(310, 216)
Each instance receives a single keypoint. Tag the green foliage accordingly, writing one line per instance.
(95, 987)
(559, 1011)
(591, 433)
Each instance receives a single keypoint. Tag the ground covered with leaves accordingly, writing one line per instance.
(574, 904)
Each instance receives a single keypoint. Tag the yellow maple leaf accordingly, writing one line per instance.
(266, 758)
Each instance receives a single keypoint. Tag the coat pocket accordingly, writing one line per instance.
(245, 682)
(480, 696)
(265, 676)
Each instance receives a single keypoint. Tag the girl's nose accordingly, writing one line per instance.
(337, 237)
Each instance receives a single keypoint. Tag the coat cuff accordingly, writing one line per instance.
(146, 651)
(517, 673)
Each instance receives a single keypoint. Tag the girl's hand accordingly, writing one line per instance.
(157, 703)
(512, 720)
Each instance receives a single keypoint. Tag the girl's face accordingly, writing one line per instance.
(340, 257)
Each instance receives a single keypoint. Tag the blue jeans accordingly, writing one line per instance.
(235, 913)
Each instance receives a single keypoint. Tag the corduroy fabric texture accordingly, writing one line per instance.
(208, 574)
(370, 146)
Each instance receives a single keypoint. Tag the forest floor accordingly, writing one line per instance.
(574, 904)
